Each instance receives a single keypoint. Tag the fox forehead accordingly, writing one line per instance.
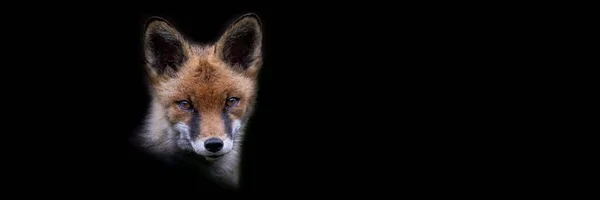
(205, 80)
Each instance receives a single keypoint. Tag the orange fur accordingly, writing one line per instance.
(206, 80)
(206, 76)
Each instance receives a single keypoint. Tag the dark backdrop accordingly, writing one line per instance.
(349, 100)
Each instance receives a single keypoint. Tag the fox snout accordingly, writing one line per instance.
(210, 146)
(213, 147)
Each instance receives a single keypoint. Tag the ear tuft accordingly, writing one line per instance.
(240, 45)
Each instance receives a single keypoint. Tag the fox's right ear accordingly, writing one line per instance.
(165, 49)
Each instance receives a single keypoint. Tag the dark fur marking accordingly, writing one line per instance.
(227, 124)
(195, 125)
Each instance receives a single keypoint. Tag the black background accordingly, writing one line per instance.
(349, 100)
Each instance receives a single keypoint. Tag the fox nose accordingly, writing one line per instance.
(213, 144)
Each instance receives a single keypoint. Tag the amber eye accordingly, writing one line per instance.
(185, 105)
(231, 102)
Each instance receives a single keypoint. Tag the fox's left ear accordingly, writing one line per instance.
(240, 45)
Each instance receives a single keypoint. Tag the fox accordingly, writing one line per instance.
(201, 95)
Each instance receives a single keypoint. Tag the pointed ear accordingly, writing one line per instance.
(165, 49)
(240, 45)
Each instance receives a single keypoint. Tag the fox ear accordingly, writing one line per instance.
(240, 45)
(164, 47)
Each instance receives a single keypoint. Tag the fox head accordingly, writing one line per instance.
(204, 93)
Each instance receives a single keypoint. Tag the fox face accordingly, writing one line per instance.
(203, 93)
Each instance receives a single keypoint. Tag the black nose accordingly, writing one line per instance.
(213, 144)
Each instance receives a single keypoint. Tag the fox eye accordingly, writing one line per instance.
(233, 101)
(185, 105)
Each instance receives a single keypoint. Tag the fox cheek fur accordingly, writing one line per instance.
(202, 95)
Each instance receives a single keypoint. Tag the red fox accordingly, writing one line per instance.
(201, 95)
